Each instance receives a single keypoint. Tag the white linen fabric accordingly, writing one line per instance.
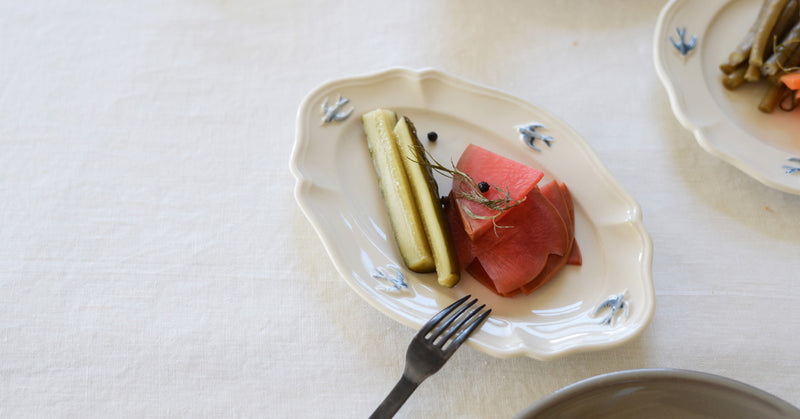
(153, 262)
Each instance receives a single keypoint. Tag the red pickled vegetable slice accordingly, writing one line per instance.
(527, 245)
(555, 194)
(476, 270)
(575, 257)
(515, 255)
(511, 177)
(465, 249)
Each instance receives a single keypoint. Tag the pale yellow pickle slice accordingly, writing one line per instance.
(426, 195)
(396, 190)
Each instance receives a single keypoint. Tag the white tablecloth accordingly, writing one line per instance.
(154, 263)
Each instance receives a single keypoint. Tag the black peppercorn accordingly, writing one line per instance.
(432, 136)
(483, 186)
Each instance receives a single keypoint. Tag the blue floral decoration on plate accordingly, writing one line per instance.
(616, 305)
(792, 169)
(392, 276)
(683, 47)
(333, 113)
(528, 134)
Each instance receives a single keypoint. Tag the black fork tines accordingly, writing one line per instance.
(448, 329)
(449, 320)
(465, 327)
(427, 327)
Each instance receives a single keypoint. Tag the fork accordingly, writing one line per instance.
(430, 349)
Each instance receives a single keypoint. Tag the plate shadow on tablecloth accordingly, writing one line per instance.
(725, 188)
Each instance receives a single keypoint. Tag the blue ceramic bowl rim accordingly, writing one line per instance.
(585, 386)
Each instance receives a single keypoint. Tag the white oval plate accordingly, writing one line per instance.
(337, 190)
(726, 123)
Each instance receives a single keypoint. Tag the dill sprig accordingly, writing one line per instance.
(470, 189)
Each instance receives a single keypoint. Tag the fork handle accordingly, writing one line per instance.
(392, 403)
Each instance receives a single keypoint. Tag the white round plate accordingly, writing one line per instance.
(660, 393)
(726, 123)
(337, 190)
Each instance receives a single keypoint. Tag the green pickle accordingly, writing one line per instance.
(396, 190)
(426, 195)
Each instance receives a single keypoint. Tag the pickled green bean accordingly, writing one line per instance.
(735, 78)
(772, 98)
(782, 52)
(762, 35)
(742, 51)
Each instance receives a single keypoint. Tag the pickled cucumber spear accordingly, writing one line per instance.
(426, 194)
(396, 190)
